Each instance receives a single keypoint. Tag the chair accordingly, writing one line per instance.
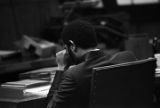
(126, 85)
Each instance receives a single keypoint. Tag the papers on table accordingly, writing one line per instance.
(26, 87)
(42, 90)
(26, 83)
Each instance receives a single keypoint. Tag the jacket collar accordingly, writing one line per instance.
(93, 55)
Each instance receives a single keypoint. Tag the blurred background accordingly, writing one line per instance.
(40, 22)
(46, 18)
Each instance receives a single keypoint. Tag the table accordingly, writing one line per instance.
(30, 101)
(9, 70)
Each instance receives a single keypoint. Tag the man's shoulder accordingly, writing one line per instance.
(126, 54)
(75, 68)
(123, 56)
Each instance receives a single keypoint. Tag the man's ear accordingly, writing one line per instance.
(72, 45)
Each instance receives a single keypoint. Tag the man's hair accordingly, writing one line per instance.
(111, 38)
(81, 32)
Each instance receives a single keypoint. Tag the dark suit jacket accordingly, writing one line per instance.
(74, 89)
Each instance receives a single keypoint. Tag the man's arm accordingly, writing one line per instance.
(65, 93)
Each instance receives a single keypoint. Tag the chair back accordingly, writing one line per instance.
(125, 85)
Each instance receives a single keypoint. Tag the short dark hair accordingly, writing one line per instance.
(81, 32)
(110, 37)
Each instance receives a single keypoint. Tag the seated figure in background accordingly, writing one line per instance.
(81, 51)
(110, 40)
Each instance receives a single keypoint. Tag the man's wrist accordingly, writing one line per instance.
(60, 68)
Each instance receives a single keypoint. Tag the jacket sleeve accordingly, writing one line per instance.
(65, 93)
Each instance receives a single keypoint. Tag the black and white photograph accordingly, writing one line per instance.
(79, 54)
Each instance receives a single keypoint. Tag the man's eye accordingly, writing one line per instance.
(65, 47)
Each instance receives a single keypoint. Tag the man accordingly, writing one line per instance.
(110, 40)
(74, 89)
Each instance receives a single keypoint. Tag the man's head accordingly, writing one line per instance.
(82, 33)
(79, 36)
(110, 38)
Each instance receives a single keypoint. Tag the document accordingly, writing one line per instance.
(26, 83)
(41, 90)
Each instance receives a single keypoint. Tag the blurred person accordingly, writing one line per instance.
(110, 40)
(81, 51)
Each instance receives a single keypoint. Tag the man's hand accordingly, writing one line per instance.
(60, 59)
